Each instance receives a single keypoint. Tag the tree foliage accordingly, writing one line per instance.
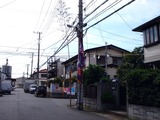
(132, 61)
(143, 86)
(63, 16)
(93, 74)
(142, 80)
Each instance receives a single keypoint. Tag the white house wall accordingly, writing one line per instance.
(111, 72)
(152, 54)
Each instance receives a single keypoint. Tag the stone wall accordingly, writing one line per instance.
(139, 112)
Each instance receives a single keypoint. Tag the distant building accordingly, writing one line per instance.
(20, 81)
(7, 70)
(151, 36)
(42, 79)
(55, 69)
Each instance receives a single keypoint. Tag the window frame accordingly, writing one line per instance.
(151, 35)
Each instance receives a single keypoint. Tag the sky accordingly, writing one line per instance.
(21, 20)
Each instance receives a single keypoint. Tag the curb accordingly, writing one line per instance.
(118, 113)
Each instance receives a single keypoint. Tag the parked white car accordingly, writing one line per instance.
(32, 88)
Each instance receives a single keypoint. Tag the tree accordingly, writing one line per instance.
(63, 16)
(132, 61)
(142, 80)
(93, 74)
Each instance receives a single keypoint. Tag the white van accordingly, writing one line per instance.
(6, 86)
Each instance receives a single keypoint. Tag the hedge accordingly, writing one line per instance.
(144, 87)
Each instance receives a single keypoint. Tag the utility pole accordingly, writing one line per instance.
(106, 60)
(32, 63)
(0, 76)
(27, 69)
(80, 57)
(39, 38)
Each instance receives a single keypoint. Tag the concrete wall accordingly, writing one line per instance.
(139, 112)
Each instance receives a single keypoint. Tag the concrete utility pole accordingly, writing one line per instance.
(39, 33)
(106, 60)
(38, 54)
(80, 57)
(0, 76)
(32, 63)
(27, 69)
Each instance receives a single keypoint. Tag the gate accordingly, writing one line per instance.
(90, 97)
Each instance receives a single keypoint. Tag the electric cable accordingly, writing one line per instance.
(96, 8)
(8, 3)
(89, 4)
(60, 48)
(118, 35)
(45, 15)
(40, 14)
(103, 11)
(109, 15)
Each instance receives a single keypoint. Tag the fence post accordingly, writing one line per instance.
(99, 104)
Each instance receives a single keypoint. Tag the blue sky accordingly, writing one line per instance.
(21, 18)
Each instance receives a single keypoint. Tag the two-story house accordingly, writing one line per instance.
(109, 57)
(151, 35)
(42, 77)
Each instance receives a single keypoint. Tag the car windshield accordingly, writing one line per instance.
(33, 86)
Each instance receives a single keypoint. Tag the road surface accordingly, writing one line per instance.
(25, 106)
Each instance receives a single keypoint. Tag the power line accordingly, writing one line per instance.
(17, 48)
(50, 18)
(90, 4)
(104, 10)
(40, 14)
(96, 9)
(61, 47)
(8, 3)
(19, 53)
(109, 15)
(45, 14)
(118, 35)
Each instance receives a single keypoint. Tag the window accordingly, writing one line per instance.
(100, 60)
(147, 36)
(155, 33)
(144, 37)
(44, 75)
(117, 60)
(151, 35)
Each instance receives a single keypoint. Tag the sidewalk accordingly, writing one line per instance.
(110, 114)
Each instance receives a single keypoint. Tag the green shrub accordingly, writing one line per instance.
(144, 87)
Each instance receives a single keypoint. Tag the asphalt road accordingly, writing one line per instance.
(25, 106)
